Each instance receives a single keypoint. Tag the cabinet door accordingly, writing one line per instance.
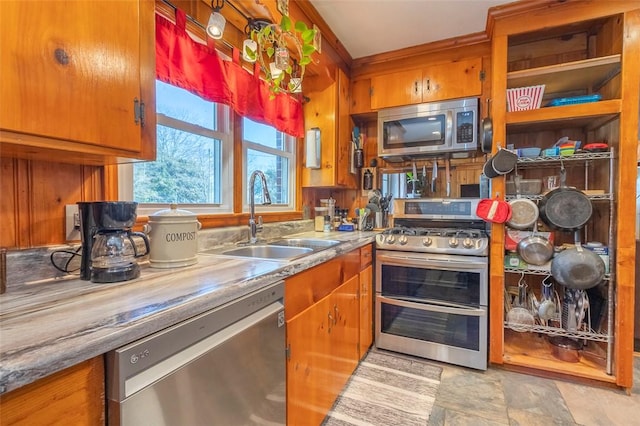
(71, 71)
(360, 97)
(328, 110)
(452, 80)
(74, 396)
(310, 392)
(398, 88)
(344, 334)
(366, 310)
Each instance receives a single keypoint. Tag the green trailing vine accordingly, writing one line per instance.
(271, 36)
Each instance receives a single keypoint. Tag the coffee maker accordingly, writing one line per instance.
(109, 251)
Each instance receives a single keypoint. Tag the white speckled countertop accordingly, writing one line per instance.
(50, 325)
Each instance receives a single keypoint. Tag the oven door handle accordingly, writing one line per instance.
(476, 312)
(408, 260)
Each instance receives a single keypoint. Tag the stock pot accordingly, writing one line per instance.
(173, 238)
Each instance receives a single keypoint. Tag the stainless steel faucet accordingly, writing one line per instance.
(266, 200)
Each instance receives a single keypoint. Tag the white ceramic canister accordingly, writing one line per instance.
(173, 238)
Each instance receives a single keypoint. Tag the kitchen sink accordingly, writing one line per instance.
(313, 243)
(269, 252)
(284, 249)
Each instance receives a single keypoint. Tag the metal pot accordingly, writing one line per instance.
(578, 268)
(564, 208)
(173, 236)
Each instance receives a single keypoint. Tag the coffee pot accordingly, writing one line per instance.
(109, 251)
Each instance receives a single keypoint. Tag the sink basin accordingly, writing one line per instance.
(269, 251)
(312, 243)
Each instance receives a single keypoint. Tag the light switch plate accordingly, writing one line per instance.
(72, 222)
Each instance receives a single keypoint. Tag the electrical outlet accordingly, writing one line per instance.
(72, 225)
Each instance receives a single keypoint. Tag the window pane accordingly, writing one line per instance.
(263, 134)
(276, 170)
(180, 104)
(185, 170)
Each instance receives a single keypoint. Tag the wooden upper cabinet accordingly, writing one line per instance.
(454, 80)
(360, 96)
(437, 82)
(398, 88)
(74, 75)
(328, 110)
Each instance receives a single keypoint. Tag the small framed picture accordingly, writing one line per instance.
(317, 40)
(283, 6)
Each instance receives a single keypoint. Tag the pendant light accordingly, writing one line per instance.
(215, 26)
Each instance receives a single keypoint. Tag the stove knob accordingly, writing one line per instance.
(427, 241)
(453, 242)
(468, 243)
(403, 240)
(391, 239)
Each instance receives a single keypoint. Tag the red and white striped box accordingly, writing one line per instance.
(524, 98)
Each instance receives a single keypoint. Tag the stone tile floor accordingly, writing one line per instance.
(498, 397)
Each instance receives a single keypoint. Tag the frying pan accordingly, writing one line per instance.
(486, 131)
(524, 212)
(578, 268)
(535, 249)
(565, 208)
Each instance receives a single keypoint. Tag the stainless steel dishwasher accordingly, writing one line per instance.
(223, 367)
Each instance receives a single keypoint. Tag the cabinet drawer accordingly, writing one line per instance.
(366, 256)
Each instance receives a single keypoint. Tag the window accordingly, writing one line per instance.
(194, 163)
(273, 152)
(194, 156)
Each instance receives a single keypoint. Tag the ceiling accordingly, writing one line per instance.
(369, 27)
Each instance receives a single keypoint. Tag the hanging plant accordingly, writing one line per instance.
(283, 73)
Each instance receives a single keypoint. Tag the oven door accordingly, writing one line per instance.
(457, 335)
(433, 278)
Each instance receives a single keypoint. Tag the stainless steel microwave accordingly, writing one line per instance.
(428, 129)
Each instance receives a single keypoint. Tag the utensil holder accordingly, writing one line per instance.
(358, 158)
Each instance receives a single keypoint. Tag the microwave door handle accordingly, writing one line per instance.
(476, 312)
(448, 138)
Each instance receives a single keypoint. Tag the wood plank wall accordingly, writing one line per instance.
(34, 194)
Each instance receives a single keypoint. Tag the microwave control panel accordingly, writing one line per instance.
(464, 127)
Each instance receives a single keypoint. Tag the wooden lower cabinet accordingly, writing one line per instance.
(328, 332)
(74, 396)
(322, 342)
(366, 310)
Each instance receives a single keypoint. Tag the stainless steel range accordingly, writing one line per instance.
(432, 282)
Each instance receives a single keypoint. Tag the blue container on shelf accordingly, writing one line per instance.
(575, 100)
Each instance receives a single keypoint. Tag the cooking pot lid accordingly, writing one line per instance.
(172, 212)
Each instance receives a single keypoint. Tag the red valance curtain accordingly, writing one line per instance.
(183, 62)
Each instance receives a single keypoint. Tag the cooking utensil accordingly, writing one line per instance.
(524, 212)
(577, 268)
(547, 308)
(519, 318)
(447, 176)
(535, 249)
(434, 176)
(486, 130)
(565, 208)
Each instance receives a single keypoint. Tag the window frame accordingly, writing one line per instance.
(290, 153)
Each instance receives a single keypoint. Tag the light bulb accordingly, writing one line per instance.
(215, 27)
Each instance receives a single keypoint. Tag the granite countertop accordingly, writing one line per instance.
(50, 325)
